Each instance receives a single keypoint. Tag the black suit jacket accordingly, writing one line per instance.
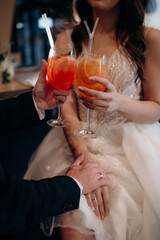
(24, 203)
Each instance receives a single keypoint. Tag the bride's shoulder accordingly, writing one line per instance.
(152, 40)
(152, 35)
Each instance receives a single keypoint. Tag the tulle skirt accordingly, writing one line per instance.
(130, 156)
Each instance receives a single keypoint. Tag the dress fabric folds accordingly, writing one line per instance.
(130, 155)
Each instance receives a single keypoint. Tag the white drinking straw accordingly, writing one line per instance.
(91, 34)
(48, 31)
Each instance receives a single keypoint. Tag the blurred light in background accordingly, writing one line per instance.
(19, 25)
(152, 18)
(152, 6)
(28, 32)
(41, 23)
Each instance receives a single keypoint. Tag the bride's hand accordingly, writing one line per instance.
(99, 201)
(103, 101)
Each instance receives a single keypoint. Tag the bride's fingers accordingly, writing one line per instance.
(106, 199)
(89, 201)
(105, 82)
(91, 92)
(98, 102)
(96, 208)
(100, 202)
(103, 96)
(97, 108)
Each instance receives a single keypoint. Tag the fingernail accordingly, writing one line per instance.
(107, 212)
(81, 88)
(92, 78)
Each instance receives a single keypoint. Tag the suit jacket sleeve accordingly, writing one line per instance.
(24, 203)
(18, 113)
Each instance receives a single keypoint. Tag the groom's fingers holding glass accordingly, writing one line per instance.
(64, 93)
(42, 74)
(60, 99)
(60, 95)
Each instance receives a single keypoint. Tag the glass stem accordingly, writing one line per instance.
(59, 113)
(88, 126)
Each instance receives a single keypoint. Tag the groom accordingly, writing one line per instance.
(24, 203)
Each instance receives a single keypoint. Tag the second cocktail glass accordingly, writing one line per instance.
(90, 65)
(61, 70)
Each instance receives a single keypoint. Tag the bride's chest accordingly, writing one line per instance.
(121, 69)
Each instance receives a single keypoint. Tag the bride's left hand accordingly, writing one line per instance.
(99, 201)
(108, 100)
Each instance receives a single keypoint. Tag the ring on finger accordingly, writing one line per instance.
(101, 175)
(94, 199)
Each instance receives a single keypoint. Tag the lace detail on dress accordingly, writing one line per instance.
(122, 73)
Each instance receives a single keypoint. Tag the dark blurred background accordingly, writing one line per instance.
(29, 37)
(22, 29)
(23, 34)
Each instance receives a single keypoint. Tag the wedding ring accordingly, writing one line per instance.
(101, 175)
(94, 199)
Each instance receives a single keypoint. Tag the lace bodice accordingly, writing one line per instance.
(122, 73)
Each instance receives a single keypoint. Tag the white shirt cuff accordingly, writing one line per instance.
(80, 185)
(41, 113)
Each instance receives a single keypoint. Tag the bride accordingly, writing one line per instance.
(126, 118)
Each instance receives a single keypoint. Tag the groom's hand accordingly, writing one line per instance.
(89, 175)
(45, 96)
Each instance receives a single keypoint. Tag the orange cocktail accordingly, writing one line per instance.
(61, 71)
(91, 66)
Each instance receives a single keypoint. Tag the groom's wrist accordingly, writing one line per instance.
(80, 185)
(41, 113)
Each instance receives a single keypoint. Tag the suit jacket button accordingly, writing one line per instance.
(67, 208)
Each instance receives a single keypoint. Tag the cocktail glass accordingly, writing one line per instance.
(90, 65)
(61, 70)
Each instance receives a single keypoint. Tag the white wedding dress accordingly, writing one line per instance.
(130, 154)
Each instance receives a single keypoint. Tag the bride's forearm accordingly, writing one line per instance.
(139, 111)
(77, 144)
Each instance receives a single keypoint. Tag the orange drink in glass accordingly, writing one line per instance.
(92, 65)
(61, 70)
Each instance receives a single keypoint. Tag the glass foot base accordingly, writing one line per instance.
(58, 123)
(84, 133)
